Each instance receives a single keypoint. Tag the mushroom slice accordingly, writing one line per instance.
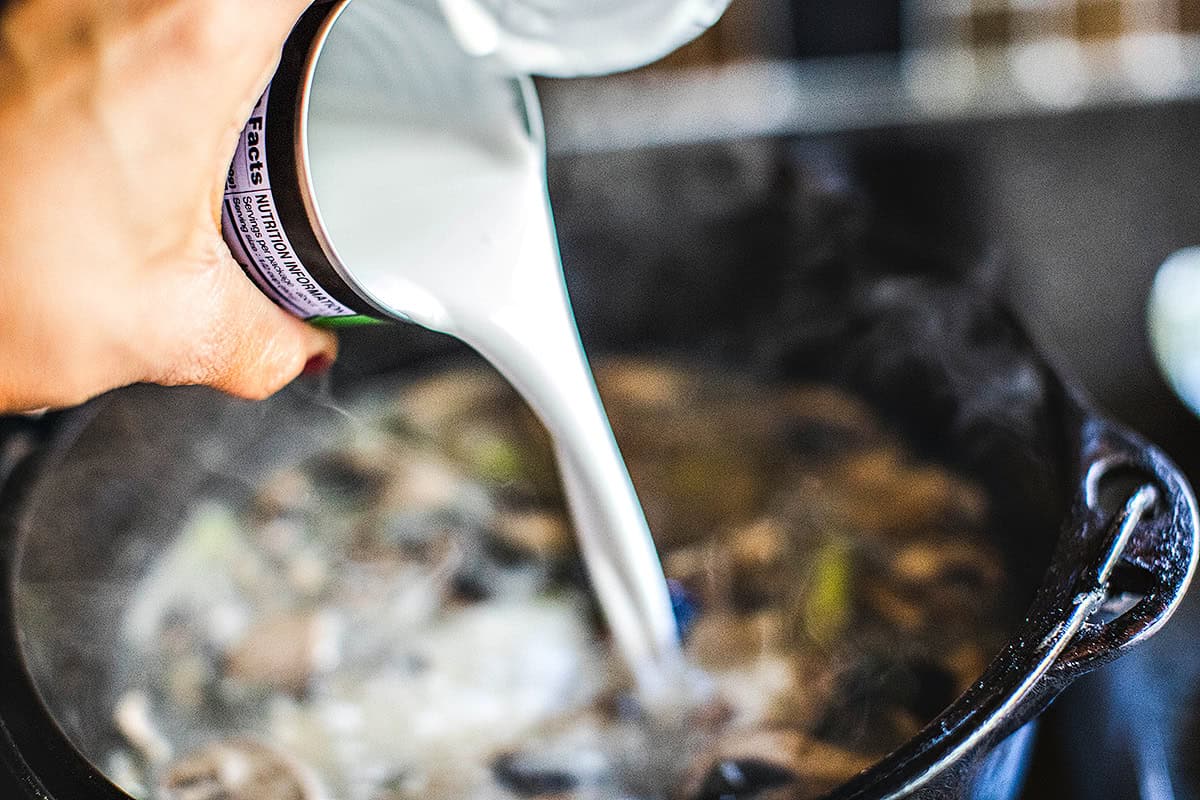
(530, 780)
(767, 764)
(286, 651)
(238, 769)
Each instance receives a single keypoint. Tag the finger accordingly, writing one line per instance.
(239, 341)
(273, 21)
(265, 27)
(276, 23)
(262, 357)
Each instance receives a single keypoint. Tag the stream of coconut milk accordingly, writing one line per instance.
(443, 217)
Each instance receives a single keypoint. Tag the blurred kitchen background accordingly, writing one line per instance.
(1073, 127)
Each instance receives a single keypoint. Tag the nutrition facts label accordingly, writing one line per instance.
(250, 223)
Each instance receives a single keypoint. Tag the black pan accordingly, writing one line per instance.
(754, 256)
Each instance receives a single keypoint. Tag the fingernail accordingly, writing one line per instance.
(318, 365)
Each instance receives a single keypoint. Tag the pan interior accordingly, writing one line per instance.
(390, 602)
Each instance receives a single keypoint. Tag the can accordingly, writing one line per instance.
(268, 217)
(271, 211)
(431, 56)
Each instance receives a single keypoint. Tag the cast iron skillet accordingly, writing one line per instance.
(748, 256)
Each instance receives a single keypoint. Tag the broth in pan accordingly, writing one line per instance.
(404, 613)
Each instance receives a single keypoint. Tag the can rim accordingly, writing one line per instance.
(304, 180)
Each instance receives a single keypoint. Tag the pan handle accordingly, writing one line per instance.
(1139, 568)
(1130, 536)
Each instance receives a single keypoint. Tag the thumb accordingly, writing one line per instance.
(227, 334)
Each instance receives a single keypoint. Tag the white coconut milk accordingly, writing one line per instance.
(437, 206)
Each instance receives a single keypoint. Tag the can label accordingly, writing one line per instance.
(255, 235)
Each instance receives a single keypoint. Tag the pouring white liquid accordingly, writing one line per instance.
(433, 196)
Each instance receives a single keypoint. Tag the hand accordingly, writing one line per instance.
(118, 121)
